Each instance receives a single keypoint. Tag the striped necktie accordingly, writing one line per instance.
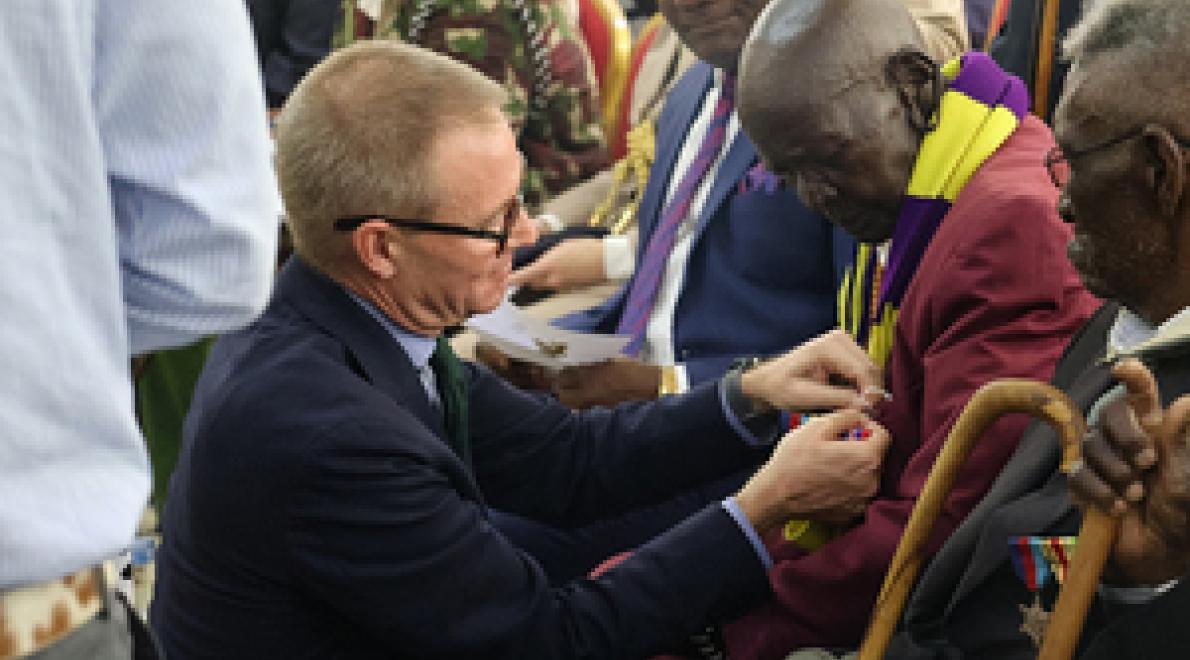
(647, 280)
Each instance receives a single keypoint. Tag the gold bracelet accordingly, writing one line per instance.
(669, 381)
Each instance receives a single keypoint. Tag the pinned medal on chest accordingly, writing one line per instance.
(1036, 559)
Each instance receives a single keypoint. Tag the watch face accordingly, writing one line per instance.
(745, 363)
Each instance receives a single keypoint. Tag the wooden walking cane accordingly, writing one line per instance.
(1097, 534)
(986, 405)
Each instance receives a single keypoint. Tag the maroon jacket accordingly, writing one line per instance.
(994, 297)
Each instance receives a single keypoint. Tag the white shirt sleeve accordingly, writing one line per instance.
(180, 111)
(619, 259)
(682, 378)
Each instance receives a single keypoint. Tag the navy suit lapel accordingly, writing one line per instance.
(681, 108)
(741, 155)
(371, 350)
(683, 105)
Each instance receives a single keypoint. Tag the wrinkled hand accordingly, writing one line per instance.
(813, 475)
(573, 263)
(1130, 473)
(522, 374)
(607, 383)
(827, 372)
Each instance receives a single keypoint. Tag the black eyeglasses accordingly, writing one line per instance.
(510, 215)
(1056, 158)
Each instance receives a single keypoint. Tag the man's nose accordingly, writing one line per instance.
(524, 231)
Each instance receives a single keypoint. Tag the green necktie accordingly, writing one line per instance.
(452, 394)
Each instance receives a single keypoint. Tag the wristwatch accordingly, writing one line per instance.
(744, 407)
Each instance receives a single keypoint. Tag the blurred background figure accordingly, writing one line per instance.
(1019, 46)
(291, 37)
(532, 48)
(140, 213)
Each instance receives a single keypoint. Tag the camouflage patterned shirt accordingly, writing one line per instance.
(558, 123)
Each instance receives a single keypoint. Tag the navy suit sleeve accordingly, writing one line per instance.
(599, 462)
(381, 533)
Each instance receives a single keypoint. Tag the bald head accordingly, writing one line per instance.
(815, 48)
(836, 94)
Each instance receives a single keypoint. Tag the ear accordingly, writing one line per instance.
(373, 249)
(1166, 170)
(919, 83)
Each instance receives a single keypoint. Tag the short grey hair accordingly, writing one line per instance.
(1146, 29)
(356, 134)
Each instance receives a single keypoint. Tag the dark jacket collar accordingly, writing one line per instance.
(371, 350)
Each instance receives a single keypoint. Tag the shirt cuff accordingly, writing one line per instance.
(1134, 595)
(733, 510)
(618, 260)
(682, 378)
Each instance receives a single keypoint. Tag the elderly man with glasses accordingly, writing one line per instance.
(1123, 126)
(332, 496)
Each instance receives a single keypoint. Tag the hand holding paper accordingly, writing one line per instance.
(521, 337)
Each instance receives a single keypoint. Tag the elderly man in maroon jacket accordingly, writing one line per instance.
(961, 276)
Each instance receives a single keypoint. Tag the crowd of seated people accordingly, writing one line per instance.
(839, 220)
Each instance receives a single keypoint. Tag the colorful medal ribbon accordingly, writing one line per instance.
(1029, 561)
(1035, 559)
(1058, 551)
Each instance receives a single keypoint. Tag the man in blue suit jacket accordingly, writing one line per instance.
(331, 499)
(752, 271)
(761, 270)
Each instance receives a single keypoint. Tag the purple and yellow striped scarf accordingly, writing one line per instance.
(981, 107)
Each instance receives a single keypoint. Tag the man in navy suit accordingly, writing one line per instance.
(331, 498)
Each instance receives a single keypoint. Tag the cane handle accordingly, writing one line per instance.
(1097, 535)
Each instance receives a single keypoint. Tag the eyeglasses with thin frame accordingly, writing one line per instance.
(1057, 157)
(510, 216)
